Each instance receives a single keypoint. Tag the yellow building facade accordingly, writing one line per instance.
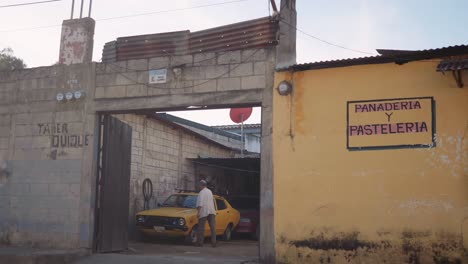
(371, 163)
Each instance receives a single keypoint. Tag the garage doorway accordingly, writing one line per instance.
(171, 154)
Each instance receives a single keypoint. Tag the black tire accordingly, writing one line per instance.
(191, 238)
(227, 233)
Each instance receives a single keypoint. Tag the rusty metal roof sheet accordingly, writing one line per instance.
(257, 33)
(452, 65)
(234, 127)
(388, 56)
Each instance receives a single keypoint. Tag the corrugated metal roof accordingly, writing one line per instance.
(234, 127)
(452, 65)
(257, 33)
(388, 56)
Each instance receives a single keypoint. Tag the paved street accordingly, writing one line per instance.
(236, 251)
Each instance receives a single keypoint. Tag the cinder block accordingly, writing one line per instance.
(5, 120)
(136, 90)
(68, 116)
(70, 178)
(116, 91)
(5, 131)
(260, 68)
(70, 154)
(126, 78)
(155, 91)
(41, 142)
(24, 130)
(229, 57)
(47, 83)
(19, 189)
(106, 79)
(158, 63)
(254, 82)
(181, 60)
(60, 189)
(28, 84)
(217, 71)
(204, 59)
(253, 55)
(42, 117)
(193, 73)
(100, 92)
(23, 142)
(8, 87)
(4, 143)
(25, 118)
(137, 65)
(38, 189)
(119, 66)
(226, 84)
(143, 77)
(243, 69)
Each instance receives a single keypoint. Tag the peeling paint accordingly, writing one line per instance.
(408, 246)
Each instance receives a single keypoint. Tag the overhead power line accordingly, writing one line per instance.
(325, 41)
(134, 15)
(30, 3)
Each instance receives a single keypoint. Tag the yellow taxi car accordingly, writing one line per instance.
(177, 217)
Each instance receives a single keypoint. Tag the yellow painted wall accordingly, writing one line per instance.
(401, 204)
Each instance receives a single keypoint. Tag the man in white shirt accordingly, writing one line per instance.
(206, 211)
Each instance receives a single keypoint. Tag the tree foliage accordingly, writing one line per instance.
(9, 62)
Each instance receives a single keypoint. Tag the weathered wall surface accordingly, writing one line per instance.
(46, 157)
(76, 42)
(160, 152)
(370, 206)
(236, 77)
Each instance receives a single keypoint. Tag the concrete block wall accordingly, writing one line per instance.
(160, 152)
(44, 146)
(199, 73)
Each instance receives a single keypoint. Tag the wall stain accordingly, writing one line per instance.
(408, 246)
(340, 241)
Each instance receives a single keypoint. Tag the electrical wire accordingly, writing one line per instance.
(325, 41)
(139, 70)
(134, 15)
(191, 86)
(223, 167)
(30, 3)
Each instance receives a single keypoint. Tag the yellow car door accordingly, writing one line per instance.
(222, 216)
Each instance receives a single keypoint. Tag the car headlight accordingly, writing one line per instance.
(245, 220)
(181, 221)
(140, 219)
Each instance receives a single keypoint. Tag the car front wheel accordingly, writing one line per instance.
(227, 233)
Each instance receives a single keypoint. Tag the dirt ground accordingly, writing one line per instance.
(174, 251)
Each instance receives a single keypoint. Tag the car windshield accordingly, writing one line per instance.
(182, 201)
(245, 203)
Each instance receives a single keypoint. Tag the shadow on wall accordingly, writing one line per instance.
(408, 246)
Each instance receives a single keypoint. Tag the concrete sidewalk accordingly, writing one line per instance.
(26, 255)
(160, 259)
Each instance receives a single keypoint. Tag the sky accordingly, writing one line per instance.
(33, 32)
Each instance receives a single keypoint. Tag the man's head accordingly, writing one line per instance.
(202, 184)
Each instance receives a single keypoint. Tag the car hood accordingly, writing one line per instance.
(170, 212)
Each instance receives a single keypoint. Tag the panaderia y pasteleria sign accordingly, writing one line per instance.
(391, 123)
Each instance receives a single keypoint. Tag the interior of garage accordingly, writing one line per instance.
(170, 155)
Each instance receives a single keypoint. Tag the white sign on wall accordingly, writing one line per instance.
(158, 76)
